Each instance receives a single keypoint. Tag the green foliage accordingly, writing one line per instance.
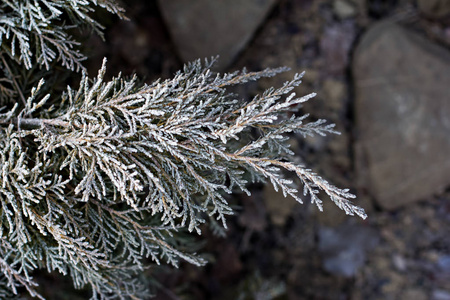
(97, 179)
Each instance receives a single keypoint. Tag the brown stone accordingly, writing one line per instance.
(344, 9)
(402, 110)
(205, 28)
(334, 91)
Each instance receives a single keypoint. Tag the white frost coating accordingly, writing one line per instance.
(116, 158)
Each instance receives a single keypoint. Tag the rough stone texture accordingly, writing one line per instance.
(402, 110)
(335, 45)
(205, 28)
(344, 248)
(414, 293)
(334, 91)
(344, 9)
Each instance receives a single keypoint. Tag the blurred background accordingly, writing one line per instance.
(381, 70)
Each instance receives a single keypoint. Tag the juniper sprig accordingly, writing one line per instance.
(100, 179)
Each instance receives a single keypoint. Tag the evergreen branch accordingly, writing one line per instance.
(33, 123)
(182, 117)
(40, 32)
(95, 181)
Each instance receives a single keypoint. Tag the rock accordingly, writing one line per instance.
(434, 8)
(441, 272)
(414, 294)
(204, 28)
(402, 114)
(444, 263)
(440, 295)
(399, 262)
(335, 45)
(394, 282)
(311, 76)
(343, 9)
(334, 93)
(344, 248)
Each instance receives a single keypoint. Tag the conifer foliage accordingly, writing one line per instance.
(99, 180)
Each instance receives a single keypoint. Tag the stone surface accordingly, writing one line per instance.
(344, 248)
(434, 8)
(343, 9)
(334, 92)
(414, 293)
(444, 263)
(205, 28)
(440, 295)
(402, 112)
(335, 45)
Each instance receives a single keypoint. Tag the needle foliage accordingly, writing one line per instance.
(100, 181)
